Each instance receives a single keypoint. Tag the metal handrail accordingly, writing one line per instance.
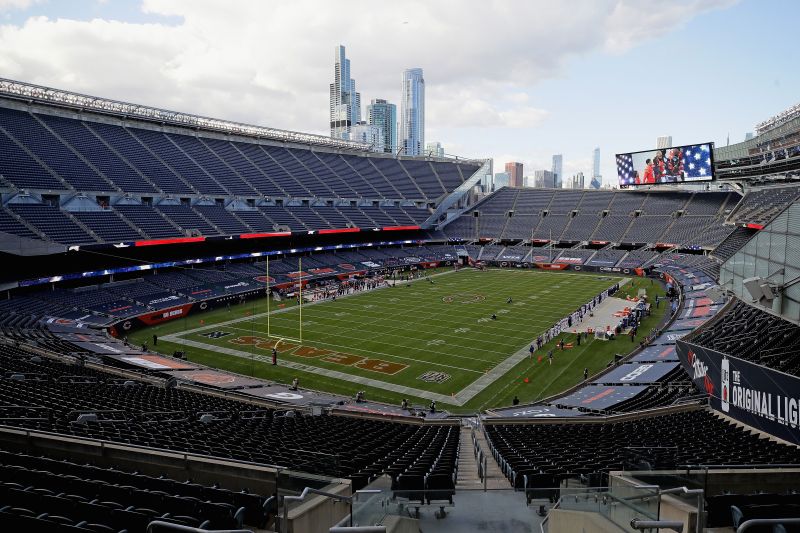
(358, 529)
(641, 525)
(302, 496)
(744, 526)
(189, 529)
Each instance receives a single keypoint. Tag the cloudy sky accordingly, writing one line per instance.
(512, 80)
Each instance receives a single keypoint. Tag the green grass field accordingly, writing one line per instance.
(383, 341)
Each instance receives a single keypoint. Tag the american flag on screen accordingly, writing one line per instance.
(625, 169)
(697, 161)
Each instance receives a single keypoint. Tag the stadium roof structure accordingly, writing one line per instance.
(48, 95)
(777, 120)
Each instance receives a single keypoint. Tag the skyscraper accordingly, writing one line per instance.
(384, 115)
(501, 179)
(434, 149)
(576, 182)
(558, 165)
(345, 101)
(544, 179)
(664, 142)
(412, 113)
(596, 177)
(368, 133)
(514, 171)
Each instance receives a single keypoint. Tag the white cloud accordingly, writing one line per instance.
(8, 5)
(270, 62)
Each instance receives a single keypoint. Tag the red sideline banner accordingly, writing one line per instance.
(552, 266)
(163, 315)
(123, 327)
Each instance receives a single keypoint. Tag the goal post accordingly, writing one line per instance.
(270, 309)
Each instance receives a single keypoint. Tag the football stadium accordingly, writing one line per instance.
(210, 325)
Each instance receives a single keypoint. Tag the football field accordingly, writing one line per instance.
(431, 339)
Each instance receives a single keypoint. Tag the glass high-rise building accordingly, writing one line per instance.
(345, 101)
(596, 164)
(576, 182)
(434, 149)
(412, 113)
(501, 179)
(665, 141)
(544, 179)
(557, 170)
(369, 134)
(384, 115)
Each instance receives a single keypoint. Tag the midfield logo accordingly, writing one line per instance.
(432, 376)
(215, 334)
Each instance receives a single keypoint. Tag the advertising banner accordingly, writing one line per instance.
(765, 399)
(638, 373)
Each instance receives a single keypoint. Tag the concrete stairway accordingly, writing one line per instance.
(467, 464)
(468, 475)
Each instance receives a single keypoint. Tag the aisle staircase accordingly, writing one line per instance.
(477, 469)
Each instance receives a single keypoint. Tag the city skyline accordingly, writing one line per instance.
(528, 90)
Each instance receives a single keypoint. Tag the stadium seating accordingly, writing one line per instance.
(637, 258)
(655, 396)
(60, 154)
(10, 224)
(611, 228)
(580, 227)
(108, 225)
(98, 154)
(748, 333)
(147, 165)
(685, 229)
(364, 448)
(24, 128)
(698, 262)
(225, 222)
(45, 494)
(55, 223)
(607, 216)
(574, 256)
(608, 257)
(490, 252)
(646, 229)
(550, 227)
(549, 452)
(733, 242)
(150, 221)
(514, 254)
(711, 203)
(128, 222)
(761, 206)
